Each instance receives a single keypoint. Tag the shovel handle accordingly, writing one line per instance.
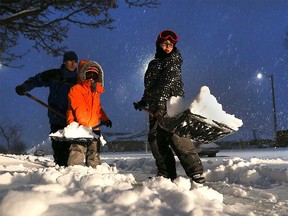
(148, 111)
(145, 109)
(44, 104)
(95, 127)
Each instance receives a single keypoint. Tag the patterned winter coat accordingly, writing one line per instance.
(163, 79)
(59, 82)
(84, 99)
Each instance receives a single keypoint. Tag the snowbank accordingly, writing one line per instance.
(239, 183)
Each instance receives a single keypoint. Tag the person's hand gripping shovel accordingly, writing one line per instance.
(158, 114)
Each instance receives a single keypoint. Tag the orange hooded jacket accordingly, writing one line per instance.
(84, 100)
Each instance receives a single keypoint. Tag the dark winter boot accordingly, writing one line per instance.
(198, 178)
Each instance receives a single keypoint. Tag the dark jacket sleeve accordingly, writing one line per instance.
(39, 80)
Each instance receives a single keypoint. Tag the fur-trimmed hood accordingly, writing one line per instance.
(82, 67)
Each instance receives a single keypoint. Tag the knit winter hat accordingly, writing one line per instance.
(70, 55)
(167, 35)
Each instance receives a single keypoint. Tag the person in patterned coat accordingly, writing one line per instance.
(163, 80)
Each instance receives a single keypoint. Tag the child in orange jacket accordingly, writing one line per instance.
(85, 108)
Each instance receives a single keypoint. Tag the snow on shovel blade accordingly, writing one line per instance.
(85, 134)
(72, 140)
(196, 127)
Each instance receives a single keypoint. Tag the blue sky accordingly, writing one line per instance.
(223, 44)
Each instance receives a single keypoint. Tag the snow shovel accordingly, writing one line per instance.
(197, 127)
(193, 126)
(44, 104)
(80, 140)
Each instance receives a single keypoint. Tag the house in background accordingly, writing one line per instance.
(122, 142)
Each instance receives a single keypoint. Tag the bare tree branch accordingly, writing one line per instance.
(5, 136)
(11, 134)
(46, 22)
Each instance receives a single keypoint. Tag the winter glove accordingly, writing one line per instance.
(139, 105)
(97, 132)
(108, 123)
(20, 90)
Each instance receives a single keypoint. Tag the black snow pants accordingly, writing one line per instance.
(60, 148)
(162, 143)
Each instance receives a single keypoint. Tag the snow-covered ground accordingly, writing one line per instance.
(247, 182)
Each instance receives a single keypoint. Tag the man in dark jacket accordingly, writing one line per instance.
(59, 82)
(162, 81)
